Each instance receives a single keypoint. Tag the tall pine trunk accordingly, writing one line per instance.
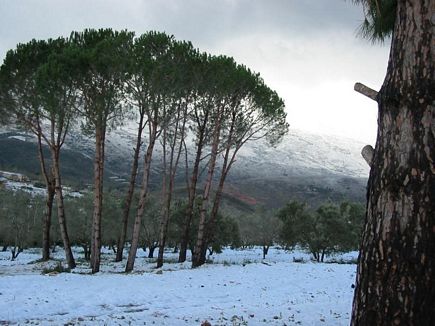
(168, 190)
(50, 190)
(129, 197)
(191, 203)
(227, 163)
(142, 199)
(211, 223)
(164, 223)
(395, 282)
(199, 251)
(192, 191)
(61, 209)
(98, 200)
(164, 218)
(46, 226)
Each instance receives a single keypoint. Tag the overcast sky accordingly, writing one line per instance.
(307, 50)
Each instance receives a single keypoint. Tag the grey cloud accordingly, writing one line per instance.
(206, 23)
(297, 45)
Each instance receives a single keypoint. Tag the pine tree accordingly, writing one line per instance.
(395, 278)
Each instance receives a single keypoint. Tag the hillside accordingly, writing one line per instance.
(303, 166)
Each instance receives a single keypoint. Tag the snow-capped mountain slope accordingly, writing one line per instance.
(302, 153)
(299, 153)
(303, 163)
(302, 166)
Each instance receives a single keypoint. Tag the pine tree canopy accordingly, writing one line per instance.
(380, 16)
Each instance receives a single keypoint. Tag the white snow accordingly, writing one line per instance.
(31, 189)
(238, 288)
(23, 186)
(22, 138)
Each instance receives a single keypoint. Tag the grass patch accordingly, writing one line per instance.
(37, 261)
(299, 260)
(352, 261)
(58, 268)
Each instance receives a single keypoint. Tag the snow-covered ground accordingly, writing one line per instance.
(31, 189)
(237, 288)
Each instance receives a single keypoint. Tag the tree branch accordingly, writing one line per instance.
(367, 154)
(367, 91)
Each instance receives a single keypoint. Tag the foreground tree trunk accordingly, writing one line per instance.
(395, 278)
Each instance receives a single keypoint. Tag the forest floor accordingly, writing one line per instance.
(237, 287)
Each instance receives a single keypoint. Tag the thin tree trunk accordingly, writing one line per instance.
(142, 199)
(164, 226)
(211, 223)
(165, 210)
(61, 210)
(86, 251)
(98, 183)
(151, 252)
(46, 226)
(129, 197)
(227, 163)
(173, 165)
(200, 245)
(49, 185)
(265, 250)
(192, 194)
(395, 277)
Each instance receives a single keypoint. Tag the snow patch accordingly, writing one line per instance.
(251, 291)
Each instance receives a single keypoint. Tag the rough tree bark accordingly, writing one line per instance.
(367, 154)
(396, 267)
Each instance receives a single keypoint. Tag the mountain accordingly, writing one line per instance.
(304, 166)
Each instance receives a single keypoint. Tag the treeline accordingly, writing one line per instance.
(96, 80)
(20, 218)
(329, 229)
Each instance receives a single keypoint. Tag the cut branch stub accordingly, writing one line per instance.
(367, 154)
(367, 91)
